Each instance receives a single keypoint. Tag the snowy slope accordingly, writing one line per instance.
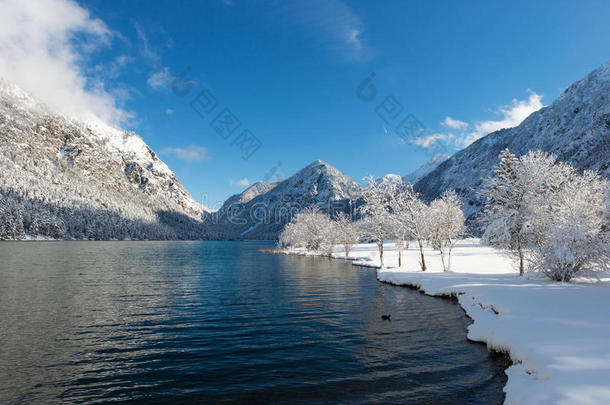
(389, 180)
(576, 128)
(51, 159)
(128, 148)
(424, 169)
(248, 194)
(262, 210)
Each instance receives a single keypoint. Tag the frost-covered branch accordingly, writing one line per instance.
(446, 225)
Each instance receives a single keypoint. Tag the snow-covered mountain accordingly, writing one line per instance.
(424, 169)
(248, 194)
(576, 128)
(389, 179)
(262, 210)
(65, 178)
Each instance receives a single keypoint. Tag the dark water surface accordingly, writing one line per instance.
(209, 322)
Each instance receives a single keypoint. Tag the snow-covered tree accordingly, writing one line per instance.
(574, 233)
(330, 238)
(310, 229)
(446, 225)
(376, 223)
(550, 215)
(346, 231)
(411, 217)
(512, 200)
(288, 236)
(313, 224)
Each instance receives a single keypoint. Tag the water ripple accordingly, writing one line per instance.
(219, 322)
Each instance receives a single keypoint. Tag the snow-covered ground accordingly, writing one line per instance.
(557, 334)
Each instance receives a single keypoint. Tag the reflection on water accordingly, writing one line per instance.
(221, 322)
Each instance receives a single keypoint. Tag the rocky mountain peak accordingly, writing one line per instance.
(262, 210)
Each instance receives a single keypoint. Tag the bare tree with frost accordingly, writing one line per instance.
(376, 223)
(346, 231)
(411, 216)
(447, 224)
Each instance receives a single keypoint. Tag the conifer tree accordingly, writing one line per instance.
(505, 215)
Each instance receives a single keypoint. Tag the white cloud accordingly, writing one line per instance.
(428, 141)
(512, 115)
(169, 111)
(335, 24)
(43, 47)
(160, 79)
(145, 48)
(245, 182)
(192, 153)
(112, 70)
(454, 124)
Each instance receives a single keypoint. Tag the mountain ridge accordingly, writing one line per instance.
(575, 128)
(264, 215)
(58, 168)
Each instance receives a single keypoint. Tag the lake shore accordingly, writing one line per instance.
(556, 334)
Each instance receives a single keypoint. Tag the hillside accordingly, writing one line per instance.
(66, 179)
(576, 128)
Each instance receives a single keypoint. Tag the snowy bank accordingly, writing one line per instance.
(557, 334)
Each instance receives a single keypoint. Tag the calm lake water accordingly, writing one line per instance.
(209, 322)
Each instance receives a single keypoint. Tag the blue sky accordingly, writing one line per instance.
(289, 71)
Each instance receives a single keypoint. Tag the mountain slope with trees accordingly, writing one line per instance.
(66, 179)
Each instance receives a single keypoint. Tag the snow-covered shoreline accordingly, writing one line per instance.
(557, 334)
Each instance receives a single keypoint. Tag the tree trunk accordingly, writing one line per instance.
(380, 245)
(521, 269)
(422, 261)
(399, 259)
